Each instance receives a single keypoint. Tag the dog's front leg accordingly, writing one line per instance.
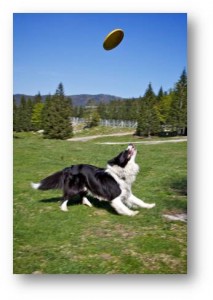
(134, 201)
(121, 208)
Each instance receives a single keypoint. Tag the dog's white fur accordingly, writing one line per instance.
(125, 177)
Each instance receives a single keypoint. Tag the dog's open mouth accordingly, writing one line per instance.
(131, 150)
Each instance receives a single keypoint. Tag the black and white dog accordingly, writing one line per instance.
(112, 184)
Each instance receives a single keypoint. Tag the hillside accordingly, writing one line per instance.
(78, 100)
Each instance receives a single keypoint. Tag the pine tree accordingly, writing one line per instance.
(60, 91)
(16, 119)
(81, 112)
(36, 119)
(148, 121)
(37, 98)
(45, 114)
(102, 107)
(24, 115)
(159, 95)
(164, 109)
(178, 116)
(29, 105)
(91, 114)
(56, 116)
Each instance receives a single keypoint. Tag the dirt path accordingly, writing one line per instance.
(92, 137)
(146, 142)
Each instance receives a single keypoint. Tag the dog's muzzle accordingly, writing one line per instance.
(131, 150)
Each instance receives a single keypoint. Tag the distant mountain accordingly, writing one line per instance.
(77, 100)
(82, 99)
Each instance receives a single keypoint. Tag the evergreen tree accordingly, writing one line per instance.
(45, 114)
(178, 115)
(102, 110)
(81, 112)
(163, 108)
(78, 111)
(56, 116)
(36, 119)
(94, 119)
(69, 103)
(91, 114)
(60, 91)
(16, 119)
(159, 95)
(147, 120)
(37, 98)
(29, 108)
(24, 115)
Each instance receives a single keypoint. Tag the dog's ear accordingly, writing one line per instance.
(112, 161)
(121, 160)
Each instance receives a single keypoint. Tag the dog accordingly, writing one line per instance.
(111, 184)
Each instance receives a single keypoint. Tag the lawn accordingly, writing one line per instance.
(96, 240)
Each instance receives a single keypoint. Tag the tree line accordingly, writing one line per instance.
(52, 116)
(161, 113)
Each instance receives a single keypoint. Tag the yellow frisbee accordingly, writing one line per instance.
(113, 39)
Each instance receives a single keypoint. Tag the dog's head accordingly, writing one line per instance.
(122, 159)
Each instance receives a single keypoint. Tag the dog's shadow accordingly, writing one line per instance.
(103, 205)
(50, 200)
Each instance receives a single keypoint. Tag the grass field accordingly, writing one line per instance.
(96, 240)
(79, 131)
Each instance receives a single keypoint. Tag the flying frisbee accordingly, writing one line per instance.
(113, 39)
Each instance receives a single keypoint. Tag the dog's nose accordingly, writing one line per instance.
(131, 145)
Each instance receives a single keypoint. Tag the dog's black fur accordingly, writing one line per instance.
(82, 179)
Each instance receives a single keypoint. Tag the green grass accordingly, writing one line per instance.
(79, 131)
(96, 240)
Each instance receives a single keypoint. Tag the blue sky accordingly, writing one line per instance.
(53, 48)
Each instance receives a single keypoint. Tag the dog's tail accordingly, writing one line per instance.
(54, 181)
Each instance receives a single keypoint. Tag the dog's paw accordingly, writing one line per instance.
(134, 213)
(151, 205)
(63, 206)
(86, 202)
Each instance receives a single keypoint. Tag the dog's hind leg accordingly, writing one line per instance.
(63, 205)
(84, 199)
(121, 208)
(67, 196)
(65, 200)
